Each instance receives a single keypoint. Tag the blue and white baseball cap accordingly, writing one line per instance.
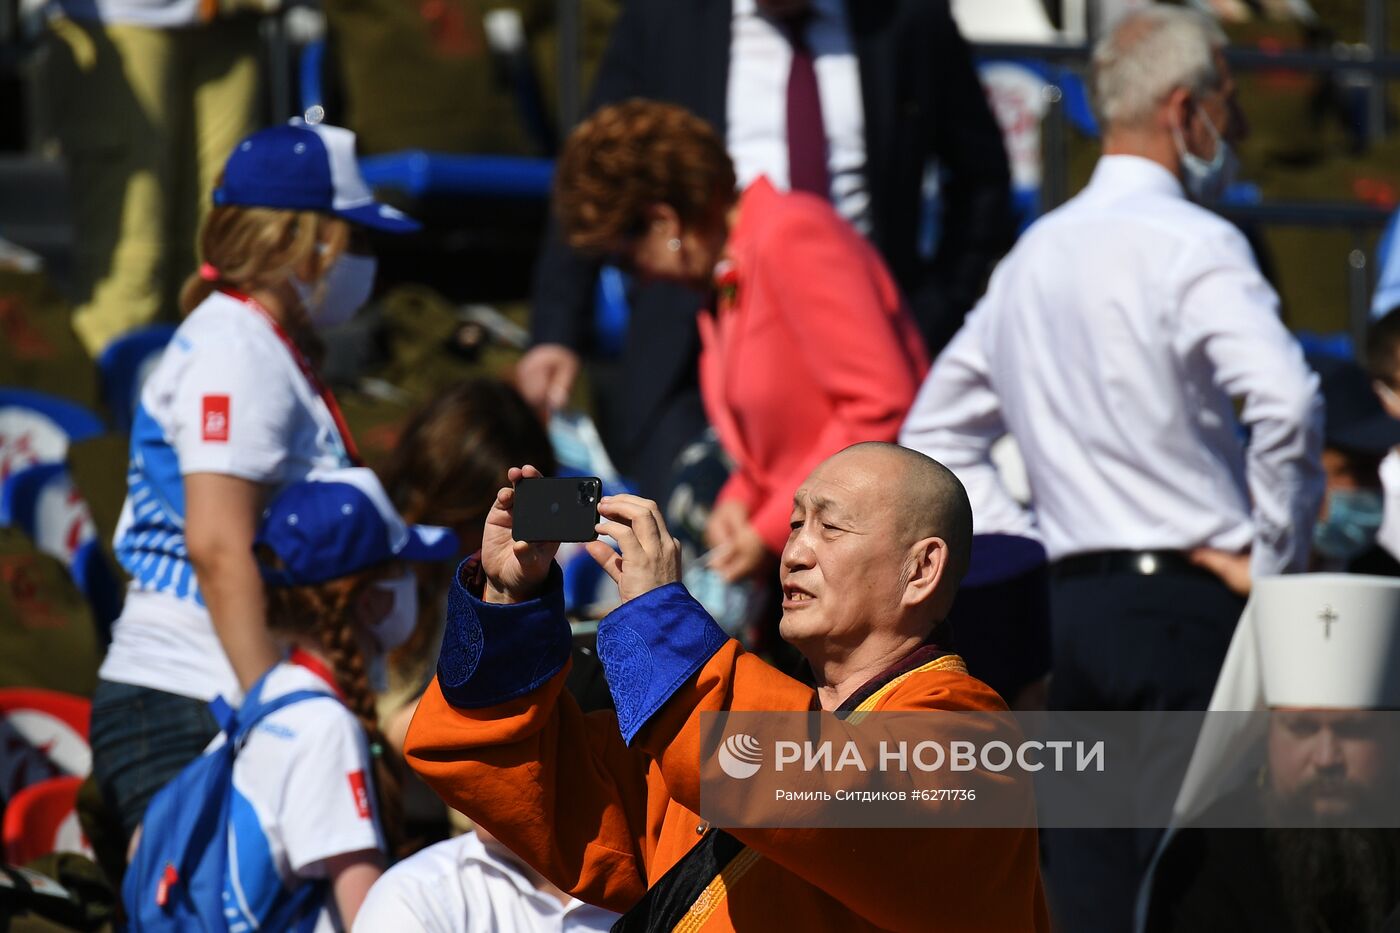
(338, 522)
(306, 167)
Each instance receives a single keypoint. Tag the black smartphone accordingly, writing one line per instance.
(563, 509)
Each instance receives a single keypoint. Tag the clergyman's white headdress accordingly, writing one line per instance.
(1322, 641)
(1309, 640)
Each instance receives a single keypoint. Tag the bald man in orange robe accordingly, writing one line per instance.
(605, 806)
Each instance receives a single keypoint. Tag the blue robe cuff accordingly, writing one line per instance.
(649, 647)
(493, 653)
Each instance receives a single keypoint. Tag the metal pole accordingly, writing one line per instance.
(1074, 20)
(279, 68)
(1054, 147)
(570, 25)
(1376, 38)
(1358, 289)
(39, 131)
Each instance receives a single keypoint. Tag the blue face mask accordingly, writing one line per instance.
(1207, 181)
(1353, 518)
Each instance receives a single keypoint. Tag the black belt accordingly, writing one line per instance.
(1142, 563)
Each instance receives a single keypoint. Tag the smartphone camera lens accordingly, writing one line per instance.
(589, 492)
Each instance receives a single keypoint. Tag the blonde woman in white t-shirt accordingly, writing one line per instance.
(234, 412)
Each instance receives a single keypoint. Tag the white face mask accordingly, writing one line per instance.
(343, 291)
(1207, 181)
(394, 629)
(397, 625)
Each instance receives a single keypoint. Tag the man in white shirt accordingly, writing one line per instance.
(1113, 344)
(473, 884)
(1383, 366)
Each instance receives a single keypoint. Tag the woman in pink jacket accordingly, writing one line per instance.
(807, 346)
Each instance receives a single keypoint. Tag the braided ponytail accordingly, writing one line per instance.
(342, 648)
(325, 612)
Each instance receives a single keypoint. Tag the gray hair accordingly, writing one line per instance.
(1149, 53)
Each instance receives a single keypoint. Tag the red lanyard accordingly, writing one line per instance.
(304, 365)
(302, 658)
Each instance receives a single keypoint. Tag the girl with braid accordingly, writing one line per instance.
(315, 787)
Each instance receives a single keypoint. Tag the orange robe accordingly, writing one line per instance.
(605, 817)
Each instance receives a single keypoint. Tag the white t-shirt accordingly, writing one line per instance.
(1389, 535)
(303, 793)
(158, 14)
(462, 886)
(227, 397)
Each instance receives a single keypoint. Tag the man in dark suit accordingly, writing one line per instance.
(896, 90)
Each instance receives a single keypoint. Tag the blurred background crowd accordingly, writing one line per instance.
(528, 317)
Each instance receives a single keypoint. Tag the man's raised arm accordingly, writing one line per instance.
(500, 739)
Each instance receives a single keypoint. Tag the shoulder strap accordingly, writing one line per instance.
(226, 716)
(251, 717)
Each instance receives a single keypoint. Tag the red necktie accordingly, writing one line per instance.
(806, 133)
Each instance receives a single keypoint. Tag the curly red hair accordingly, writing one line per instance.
(630, 156)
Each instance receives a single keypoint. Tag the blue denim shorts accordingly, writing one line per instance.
(141, 738)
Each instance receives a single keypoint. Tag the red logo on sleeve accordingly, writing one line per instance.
(360, 791)
(214, 421)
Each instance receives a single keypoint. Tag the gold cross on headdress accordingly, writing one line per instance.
(1327, 616)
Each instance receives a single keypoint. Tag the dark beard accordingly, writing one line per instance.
(1337, 880)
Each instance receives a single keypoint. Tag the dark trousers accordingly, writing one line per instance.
(1124, 641)
(141, 738)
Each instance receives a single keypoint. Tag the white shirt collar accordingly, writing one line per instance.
(477, 851)
(1119, 173)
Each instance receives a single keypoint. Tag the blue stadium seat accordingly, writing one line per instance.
(19, 495)
(123, 367)
(1016, 91)
(1387, 296)
(425, 174)
(93, 575)
(37, 428)
(1079, 113)
(1337, 346)
(42, 501)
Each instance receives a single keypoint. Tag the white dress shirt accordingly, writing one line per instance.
(1111, 344)
(460, 885)
(1388, 537)
(760, 58)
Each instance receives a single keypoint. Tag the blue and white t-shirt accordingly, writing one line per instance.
(303, 793)
(227, 397)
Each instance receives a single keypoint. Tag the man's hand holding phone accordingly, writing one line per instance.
(516, 571)
(650, 557)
